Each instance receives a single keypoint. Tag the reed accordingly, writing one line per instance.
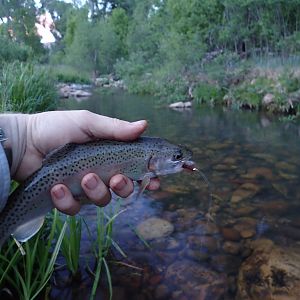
(26, 269)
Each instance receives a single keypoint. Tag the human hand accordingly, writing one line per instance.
(45, 132)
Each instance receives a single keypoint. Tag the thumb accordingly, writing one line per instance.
(111, 128)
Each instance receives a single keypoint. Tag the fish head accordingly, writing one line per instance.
(169, 159)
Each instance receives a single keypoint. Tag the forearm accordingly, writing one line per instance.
(14, 127)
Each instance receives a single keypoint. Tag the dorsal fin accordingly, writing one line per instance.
(29, 229)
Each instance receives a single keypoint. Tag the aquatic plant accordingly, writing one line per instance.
(70, 247)
(26, 269)
(101, 246)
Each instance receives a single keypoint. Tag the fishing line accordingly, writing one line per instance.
(208, 217)
(210, 194)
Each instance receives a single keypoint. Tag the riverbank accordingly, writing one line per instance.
(273, 90)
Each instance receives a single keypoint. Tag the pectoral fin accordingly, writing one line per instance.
(28, 230)
(144, 184)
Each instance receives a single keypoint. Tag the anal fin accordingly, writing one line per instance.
(25, 231)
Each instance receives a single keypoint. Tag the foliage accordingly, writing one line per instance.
(20, 19)
(28, 273)
(208, 93)
(11, 51)
(25, 88)
(68, 74)
(70, 246)
(102, 245)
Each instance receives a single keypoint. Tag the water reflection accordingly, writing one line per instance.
(253, 165)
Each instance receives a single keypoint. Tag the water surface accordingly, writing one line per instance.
(252, 163)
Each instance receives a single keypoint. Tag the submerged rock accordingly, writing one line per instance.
(259, 172)
(154, 228)
(194, 281)
(246, 190)
(270, 272)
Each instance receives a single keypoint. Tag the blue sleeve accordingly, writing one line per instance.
(4, 178)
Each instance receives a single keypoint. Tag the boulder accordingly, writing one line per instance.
(268, 99)
(181, 104)
(73, 90)
(270, 272)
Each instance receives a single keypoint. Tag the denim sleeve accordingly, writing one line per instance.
(4, 178)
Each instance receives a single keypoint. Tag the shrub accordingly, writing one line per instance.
(68, 74)
(11, 51)
(206, 92)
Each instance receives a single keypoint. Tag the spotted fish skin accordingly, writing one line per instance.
(146, 156)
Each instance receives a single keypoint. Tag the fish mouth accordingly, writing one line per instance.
(189, 165)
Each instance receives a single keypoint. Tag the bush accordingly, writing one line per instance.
(205, 93)
(68, 74)
(25, 88)
(11, 51)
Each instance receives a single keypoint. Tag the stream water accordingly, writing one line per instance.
(252, 163)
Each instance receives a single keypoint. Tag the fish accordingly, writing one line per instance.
(140, 160)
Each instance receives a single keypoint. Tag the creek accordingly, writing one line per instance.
(252, 163)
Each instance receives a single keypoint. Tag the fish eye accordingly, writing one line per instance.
(178, 155)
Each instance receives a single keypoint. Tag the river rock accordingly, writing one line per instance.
(243, 211)
(246, 190)
(282, 165)
(73, 90)
(268, 99)
(181, 104)
(205, 228)
(208, 243)
(226, 263)
(275, 207)
(231, 247)
(195, 281)
(154, 228)
(230, 234)
(161, 291)
(259, 172)
(270, 272)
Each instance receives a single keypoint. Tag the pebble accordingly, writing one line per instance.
(230, 234)
(231, 247)
(161, 291)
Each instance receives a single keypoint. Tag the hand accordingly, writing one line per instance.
(49, 130)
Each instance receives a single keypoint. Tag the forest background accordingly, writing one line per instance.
(243, 53)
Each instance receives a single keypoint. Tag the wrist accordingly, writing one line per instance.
(14, 129)
(7, 151)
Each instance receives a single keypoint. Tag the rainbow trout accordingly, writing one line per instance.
(142, 159)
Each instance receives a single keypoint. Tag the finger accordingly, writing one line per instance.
(95, 189)
(63, 200)
(112, 128)
(154, 184)
(121, 185)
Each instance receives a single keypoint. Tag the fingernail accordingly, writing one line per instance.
(59, 193)
(91, 183)
(120, 185)
(139, 123)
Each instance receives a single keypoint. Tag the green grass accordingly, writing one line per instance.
(68, 74)
(102, 245)
(26, 270)
(26, 88)
(70, 247)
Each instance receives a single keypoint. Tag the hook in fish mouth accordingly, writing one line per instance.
(189, 165)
